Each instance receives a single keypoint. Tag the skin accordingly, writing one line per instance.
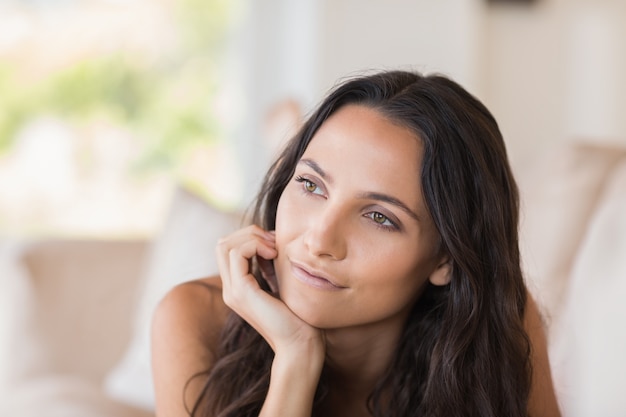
(353, 248)
(333, 221)
(348, 217)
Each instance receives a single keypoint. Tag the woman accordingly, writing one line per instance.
(381, 275)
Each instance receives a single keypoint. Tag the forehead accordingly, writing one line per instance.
(363, 145)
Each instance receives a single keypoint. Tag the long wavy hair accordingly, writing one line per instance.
(464, 350)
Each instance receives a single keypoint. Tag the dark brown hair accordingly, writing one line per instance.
(464, 351)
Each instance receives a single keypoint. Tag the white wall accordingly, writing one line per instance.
(554, 72)
(277, 56)
(550, 71)
(426, 35)
(299, 49)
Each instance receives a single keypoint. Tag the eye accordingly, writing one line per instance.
(381, 220)
(308, 185)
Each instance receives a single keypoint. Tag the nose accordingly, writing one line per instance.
(326, 235)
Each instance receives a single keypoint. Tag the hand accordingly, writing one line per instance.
(285, 332)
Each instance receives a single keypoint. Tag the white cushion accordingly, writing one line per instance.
(21, 351)
(184, 250)
(588, 350)
(559, 196)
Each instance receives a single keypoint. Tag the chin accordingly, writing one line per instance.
(314, 313)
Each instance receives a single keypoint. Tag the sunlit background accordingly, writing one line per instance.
(106, 105)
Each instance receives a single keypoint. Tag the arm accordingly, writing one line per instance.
(292, 386)
(299, 348)
(185, 332)
(188, 321)
(542, 401)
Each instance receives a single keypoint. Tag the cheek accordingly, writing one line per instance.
(289, 215)
(397, 268)
(282, 215)
(286, 223)
(284, 230)
(395, 288)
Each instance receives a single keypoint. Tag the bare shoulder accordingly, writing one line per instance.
(542, 401)
(195, 308)
(186, 329)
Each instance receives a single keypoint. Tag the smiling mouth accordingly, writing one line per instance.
(306, 277)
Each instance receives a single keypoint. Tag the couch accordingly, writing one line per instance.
(75, 315)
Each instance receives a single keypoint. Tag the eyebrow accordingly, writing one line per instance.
(315, 167)
(391, 200)
(366, 196)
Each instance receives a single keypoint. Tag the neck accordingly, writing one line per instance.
(358, 357)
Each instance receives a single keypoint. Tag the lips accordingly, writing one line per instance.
(313, 278)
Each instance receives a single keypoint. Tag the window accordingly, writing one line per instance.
(105, 105)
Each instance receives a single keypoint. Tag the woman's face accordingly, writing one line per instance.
(355, 241)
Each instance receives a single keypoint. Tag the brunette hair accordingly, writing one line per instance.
(464, 351)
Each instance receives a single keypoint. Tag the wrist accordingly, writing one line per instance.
(294, 378)
(303, 360)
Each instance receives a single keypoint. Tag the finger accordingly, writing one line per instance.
(238, 238)
(241, 236)
(234, 262)
(239, 258)
(234, 253)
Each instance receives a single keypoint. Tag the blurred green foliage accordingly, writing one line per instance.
(167, 103)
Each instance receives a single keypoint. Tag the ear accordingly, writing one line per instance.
(442, 274)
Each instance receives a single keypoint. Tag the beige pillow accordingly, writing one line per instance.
(559, 194)
(62, 310)
(588, 349)
(184, 250)
(63, 396)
